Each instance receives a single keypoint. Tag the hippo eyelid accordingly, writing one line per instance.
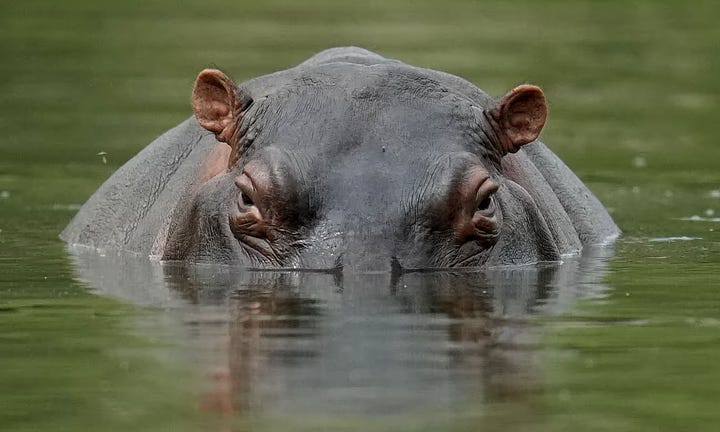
(248, 191)
(484, 195)
(484, 219)
(244, 182)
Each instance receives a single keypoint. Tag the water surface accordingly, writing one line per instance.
(621, 339)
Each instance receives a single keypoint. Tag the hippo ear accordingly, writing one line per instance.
(215, 100)
(520, 117)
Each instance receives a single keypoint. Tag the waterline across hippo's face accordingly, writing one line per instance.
(364, 163)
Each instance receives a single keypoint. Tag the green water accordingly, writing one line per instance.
(634, 94)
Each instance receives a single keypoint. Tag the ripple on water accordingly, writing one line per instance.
(697, 218)
(673, 239)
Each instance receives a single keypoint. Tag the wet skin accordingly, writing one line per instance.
(350, 161)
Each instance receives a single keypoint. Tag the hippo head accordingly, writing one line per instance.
(364, 168)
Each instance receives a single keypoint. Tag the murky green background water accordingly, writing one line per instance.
(634, 93)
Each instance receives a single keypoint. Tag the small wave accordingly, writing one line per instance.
(696, 218)
(66, 207)
(671, 239)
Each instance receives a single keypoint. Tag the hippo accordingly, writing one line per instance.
(348, 161)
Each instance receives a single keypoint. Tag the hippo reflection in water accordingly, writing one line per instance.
(348, 161)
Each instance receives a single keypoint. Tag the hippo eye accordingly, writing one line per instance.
(485, 204)
(485, 200)
(477, 220)
(247, 191)
(246, 199)
(247, 220)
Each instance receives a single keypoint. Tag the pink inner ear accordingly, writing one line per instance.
(523, 112)
(217, 109)
(214, 100)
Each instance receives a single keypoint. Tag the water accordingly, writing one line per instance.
(306, 342)
(620, 339)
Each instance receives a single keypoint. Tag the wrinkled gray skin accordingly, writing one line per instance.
(363, 161)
